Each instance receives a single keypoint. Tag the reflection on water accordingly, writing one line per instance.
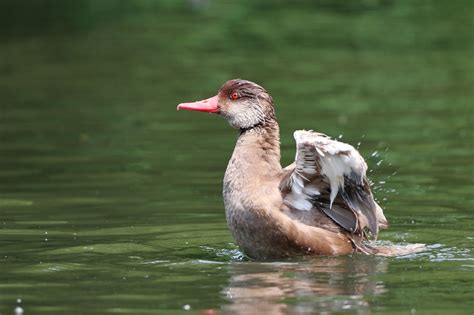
(317, 285)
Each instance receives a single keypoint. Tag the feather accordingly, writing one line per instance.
(330, 175)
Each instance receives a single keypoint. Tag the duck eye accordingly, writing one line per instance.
(234, 96)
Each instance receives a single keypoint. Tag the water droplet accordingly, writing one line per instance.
(375, 153)
(186, 307)
(18, 310)
(18, 301)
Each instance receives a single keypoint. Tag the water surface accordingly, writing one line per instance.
(110, 200)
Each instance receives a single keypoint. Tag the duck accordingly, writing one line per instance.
(321, 204)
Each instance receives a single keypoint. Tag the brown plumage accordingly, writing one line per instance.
(321, 204)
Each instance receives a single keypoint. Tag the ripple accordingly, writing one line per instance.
(441, 253)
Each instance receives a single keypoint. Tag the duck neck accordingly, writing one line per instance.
(257, 151)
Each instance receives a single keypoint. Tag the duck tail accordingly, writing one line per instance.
(390, 250)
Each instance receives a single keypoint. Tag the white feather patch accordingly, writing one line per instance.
(298, 201)
(336, 160)
(311, 190)
(298, 185)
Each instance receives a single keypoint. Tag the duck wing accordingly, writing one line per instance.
(330, 176)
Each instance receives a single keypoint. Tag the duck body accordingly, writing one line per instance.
(260, 222)
(319, 205)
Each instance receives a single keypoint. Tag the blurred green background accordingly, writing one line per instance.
(110, 200)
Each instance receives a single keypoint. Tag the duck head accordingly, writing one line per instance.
(244, 104)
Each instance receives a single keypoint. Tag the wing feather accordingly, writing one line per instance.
(331, 176)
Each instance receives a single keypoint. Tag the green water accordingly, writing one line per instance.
(110, 200)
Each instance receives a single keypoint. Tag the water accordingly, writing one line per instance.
(110, 200)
